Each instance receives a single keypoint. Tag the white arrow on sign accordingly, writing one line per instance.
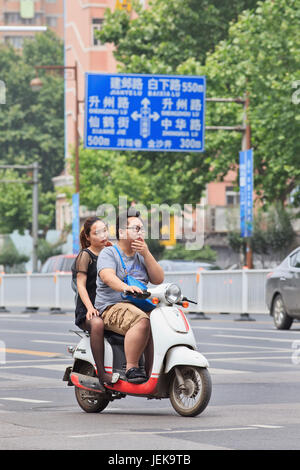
(145, 117)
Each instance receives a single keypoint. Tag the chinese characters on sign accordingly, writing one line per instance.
(246, 192)
(145, 112)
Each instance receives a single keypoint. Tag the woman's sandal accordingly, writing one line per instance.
(135, 375)
(114, 379)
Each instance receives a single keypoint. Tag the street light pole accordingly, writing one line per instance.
(35, 214)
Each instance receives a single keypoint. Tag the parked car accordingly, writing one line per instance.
(283, 291)
(184, 265)
(58, 263)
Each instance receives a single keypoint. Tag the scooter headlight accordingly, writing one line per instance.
(173, 293)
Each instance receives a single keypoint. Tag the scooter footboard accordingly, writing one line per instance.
(181, 355)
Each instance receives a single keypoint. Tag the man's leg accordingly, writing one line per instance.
(126, 319)
(136, 340)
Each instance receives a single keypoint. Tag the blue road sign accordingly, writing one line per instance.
(145, 112)
(75, 223)
(246, 192)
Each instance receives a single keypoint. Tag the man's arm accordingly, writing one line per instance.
(155, 271)
(109, 277)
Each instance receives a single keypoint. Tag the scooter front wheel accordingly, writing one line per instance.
(192, 396)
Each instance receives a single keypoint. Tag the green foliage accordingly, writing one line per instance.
(171, 37)
(261, 57)
(46, 249)
(9, 256)
(169, 33)
(15, 203)
(206, 254)
(32, 123)
(31, 128)
(273, 234)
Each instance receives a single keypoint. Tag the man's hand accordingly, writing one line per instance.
(133, 289)
(140, 246)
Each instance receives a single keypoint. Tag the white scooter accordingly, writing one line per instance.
(179, 371)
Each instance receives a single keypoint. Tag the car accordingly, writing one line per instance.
(58, 263)
(184, 265)
(283, 291)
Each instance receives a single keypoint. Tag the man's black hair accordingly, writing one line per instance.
(122, 218)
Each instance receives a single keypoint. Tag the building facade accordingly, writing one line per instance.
(16, 13)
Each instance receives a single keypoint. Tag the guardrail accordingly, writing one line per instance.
(236, 291)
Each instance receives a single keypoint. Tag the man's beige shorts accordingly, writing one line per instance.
(122, 316)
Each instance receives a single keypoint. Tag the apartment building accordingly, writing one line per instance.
(16, 13)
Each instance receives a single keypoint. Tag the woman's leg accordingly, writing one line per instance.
(95, 327)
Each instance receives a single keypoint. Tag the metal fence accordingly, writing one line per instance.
(236, 291)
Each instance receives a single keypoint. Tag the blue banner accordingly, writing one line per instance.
(163, 113)
(246, 192)
(75, 223)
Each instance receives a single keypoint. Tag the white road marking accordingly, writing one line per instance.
(214, 371)
(25, 400)
(280, 340)
(52, 342)
(183, 431)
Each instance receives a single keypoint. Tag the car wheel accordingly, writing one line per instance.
(281, 319)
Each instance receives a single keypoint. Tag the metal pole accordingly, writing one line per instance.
(35, 213)
(246, 145)
(77, 185)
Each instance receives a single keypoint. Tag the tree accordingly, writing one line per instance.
(261, 57)
(32, 124)
(168, 33)
(272, 238)
(31, 129)
(258, 54)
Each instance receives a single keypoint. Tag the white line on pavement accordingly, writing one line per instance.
(280, 340)
(182, 431)
(26, 400)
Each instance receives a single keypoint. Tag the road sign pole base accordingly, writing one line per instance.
(199, 316)
(245, 317)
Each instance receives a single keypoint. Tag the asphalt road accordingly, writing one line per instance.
(255, 403)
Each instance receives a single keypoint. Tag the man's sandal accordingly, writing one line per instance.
(135, 375)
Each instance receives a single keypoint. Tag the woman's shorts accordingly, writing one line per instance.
(121, 317)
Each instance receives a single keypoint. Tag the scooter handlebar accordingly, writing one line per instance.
(138, 295)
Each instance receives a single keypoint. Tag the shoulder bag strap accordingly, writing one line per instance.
(122, 261)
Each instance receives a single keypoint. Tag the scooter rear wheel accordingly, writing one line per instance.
(90, 402)
(192, 398)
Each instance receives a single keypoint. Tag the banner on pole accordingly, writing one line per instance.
(246, 192)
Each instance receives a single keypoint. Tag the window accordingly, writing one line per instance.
(51, 21)
(232, 196)
(96, 26)
(12, 18)
(15, 41)
(295, 260)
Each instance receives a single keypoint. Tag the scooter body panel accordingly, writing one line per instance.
(183, 356)
(165, 337)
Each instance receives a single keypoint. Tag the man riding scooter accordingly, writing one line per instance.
(120, 315)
